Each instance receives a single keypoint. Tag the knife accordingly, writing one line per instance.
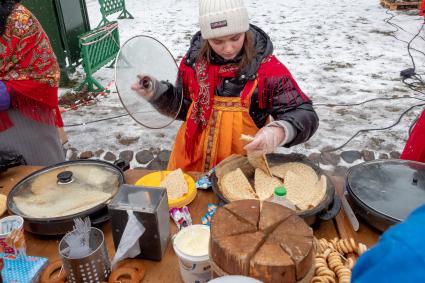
(350, 213)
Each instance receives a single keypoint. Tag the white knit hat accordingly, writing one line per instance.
(219, 18)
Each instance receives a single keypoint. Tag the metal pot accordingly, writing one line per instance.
(385, 192)
(327, 209)
(49, 199)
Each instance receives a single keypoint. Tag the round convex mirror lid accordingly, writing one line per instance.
(140, 58)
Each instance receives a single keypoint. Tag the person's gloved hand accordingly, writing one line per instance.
(266, 140)
(145, 86)
(4, 97)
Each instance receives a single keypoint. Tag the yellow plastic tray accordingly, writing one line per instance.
(154, 179)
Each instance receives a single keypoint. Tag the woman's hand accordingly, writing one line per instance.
(4, 97)
(266, 140)
(145, 86)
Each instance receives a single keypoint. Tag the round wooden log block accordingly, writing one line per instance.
(262, 240)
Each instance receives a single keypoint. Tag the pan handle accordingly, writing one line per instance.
(122, 164)
(100, 219)
(331, 213)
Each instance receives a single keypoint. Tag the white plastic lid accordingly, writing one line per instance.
(235, 279)
(193, 240)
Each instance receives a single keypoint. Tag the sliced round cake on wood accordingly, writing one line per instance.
(262, 240)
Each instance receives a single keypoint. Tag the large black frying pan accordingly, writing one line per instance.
(385, 192)
(63, 224)
(327, 209)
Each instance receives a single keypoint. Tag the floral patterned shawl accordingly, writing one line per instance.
(29, 69)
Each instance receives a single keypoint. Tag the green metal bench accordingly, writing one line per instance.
(98, 47)
(109, 7)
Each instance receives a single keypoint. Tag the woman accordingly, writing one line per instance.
(29, 76)
(232, 84)
(415, 145)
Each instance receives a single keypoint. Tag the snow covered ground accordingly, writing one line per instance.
(339, 51)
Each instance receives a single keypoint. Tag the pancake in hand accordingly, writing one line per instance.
(259, 161)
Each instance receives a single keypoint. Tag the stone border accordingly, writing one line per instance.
(157, 159)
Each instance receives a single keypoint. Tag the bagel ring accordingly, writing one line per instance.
(133, 263)
(50, 269)
(124, 271)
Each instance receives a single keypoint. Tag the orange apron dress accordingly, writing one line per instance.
(220, 138)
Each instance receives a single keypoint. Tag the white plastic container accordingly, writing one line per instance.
(7, 224)
(235, 279)
(191, 246)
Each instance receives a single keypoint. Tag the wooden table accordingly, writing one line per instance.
(167, 270)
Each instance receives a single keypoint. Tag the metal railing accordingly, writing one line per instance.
(98, 47)
(109, 7)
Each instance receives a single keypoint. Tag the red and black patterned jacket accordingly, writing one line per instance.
(298, 112)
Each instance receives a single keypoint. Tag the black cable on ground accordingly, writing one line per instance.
(415, 85)
(397, 28)
(103, 119)
(388, 21)
(418, 83)
(95, 121)
(373, 129)
(413, 124)
(366, 101)
(318, 104)
(410, 42)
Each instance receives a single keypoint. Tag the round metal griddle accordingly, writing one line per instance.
(144, 55)
(385, 192)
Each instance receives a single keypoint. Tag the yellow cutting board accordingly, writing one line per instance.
(154, 179)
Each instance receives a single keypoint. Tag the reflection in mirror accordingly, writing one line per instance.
(145, 55)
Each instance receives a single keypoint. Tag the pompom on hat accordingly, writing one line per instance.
(219, 18)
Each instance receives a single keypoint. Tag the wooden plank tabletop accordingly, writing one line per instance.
(167, 270)
(366, 233)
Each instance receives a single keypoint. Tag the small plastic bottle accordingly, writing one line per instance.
(280, 198)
